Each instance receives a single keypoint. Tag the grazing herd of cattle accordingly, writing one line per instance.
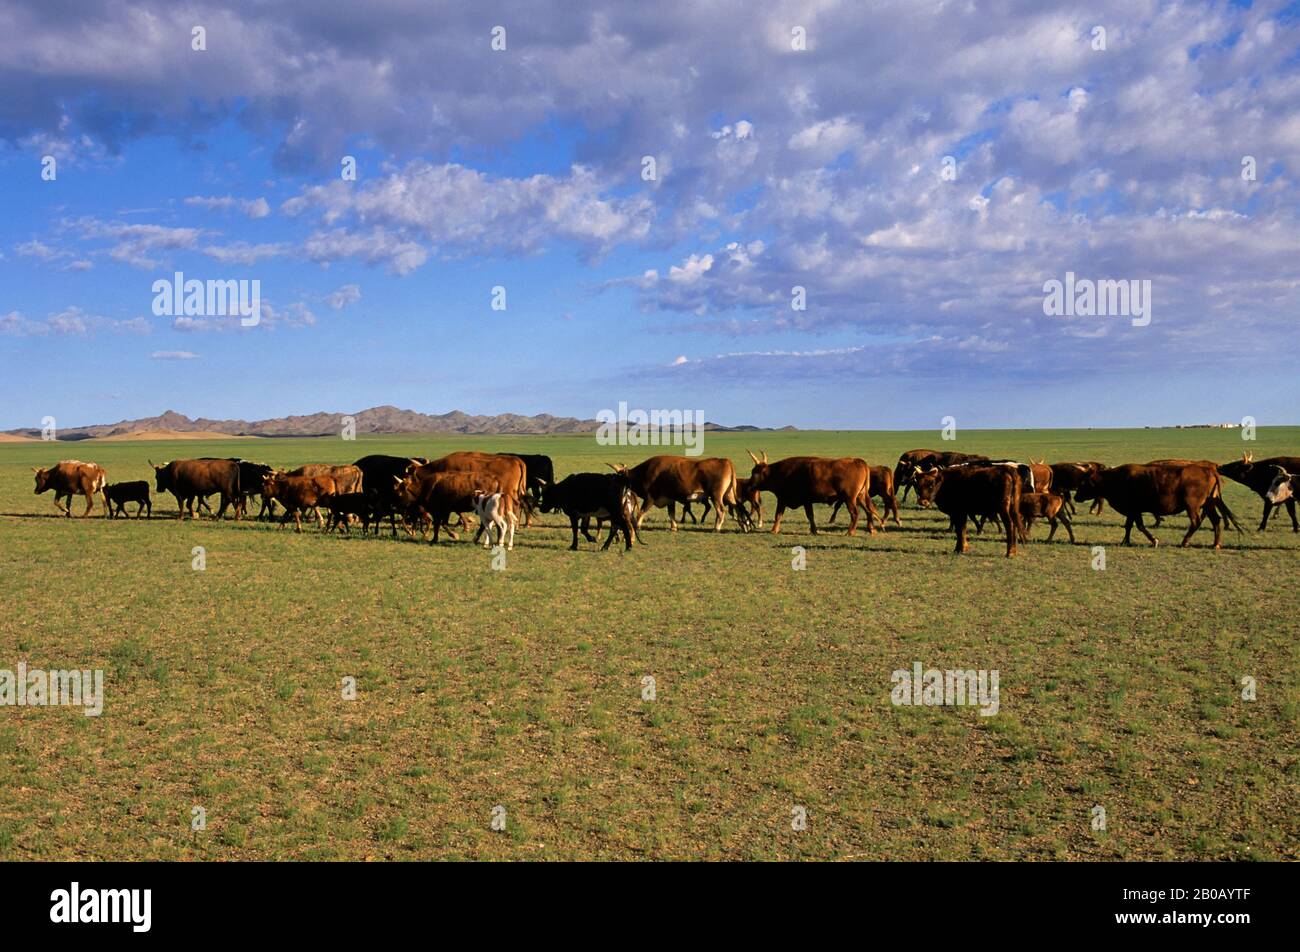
(500, 488)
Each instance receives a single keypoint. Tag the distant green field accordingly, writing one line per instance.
(1119, 689)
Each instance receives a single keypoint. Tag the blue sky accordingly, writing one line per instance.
(821, 168)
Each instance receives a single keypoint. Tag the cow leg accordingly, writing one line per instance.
(853, 518)
(959, 526)
(645, 509)
(1263, 523)
(872, 515)
(835, 511)
(776, 519)
(573, 524)
(1211, 511)
(1290, 508)
(1128, 530)
(1143, 529)
(719, 510)
(893, 508)
(812, 519)
(1069, 528)
(1012, 526)
(1098, 505)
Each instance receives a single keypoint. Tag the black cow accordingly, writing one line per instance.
(540, 474)
(605, 496)
(343, 505)
(379, 476)
(118, 495)
(1258, 474)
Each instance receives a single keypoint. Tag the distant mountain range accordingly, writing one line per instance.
(376, 420)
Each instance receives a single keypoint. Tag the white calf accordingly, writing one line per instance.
(494, 509)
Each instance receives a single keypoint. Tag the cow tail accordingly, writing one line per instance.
(729, 495)
(1222, 506)
(1224, 511)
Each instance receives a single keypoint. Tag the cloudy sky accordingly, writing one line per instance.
(652, 184)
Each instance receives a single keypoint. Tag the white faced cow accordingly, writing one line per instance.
(1282, 488)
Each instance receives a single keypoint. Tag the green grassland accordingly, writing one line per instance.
(523, 688)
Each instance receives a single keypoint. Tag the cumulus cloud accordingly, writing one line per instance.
(348, 294)
(70, 322)
(776, 168)
(453, 210)
(253, 208)
(140, 245)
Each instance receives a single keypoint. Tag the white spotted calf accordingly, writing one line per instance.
(494, 509)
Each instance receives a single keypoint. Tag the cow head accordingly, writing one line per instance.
(927, 483)
(1282, 488)
(161, 476)
(1239, 469)
(758, 475)
(404, 490)
(548, 502)
(270, 484)
(1089, 485)
(42, 480)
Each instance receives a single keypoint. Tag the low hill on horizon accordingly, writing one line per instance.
(376, 420)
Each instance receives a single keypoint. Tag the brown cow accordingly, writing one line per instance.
(965, 491)
(882, 485)
(347, 478)
(805, 480)
(439, 495)
(1049, 506)
(913, 462)
(191, 479)
(69, 478)
(664, 480)
(1066, 477)
(1163, 489)
(748, 510)
(510, 472)
(297, 494)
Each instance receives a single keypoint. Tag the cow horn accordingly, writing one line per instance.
(752, 456)
(36, 469)
(764, 457)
